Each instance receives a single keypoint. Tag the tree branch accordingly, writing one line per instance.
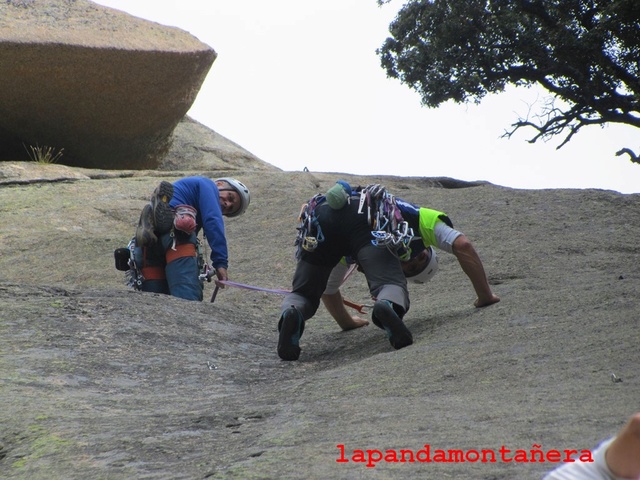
(632, 156)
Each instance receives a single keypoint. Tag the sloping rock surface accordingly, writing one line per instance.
(105, 87)
(98, 381)
(197, 147)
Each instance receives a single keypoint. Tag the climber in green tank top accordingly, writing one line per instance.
(432, 228)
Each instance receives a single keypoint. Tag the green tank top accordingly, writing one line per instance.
(427, 221)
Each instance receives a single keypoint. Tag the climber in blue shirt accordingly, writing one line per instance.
(167, 234)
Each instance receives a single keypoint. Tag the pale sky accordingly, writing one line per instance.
(298, 84)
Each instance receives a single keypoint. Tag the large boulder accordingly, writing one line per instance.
(106, 87)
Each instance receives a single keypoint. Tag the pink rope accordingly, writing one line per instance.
(229, 283)
(251, 287)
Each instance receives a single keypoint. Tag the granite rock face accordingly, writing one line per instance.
(196, 147)
(106, 87)
(98, 381)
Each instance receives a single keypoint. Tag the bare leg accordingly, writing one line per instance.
(472, 266)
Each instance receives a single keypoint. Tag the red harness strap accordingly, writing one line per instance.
(157, 272)
(153, 273)
(181, 250)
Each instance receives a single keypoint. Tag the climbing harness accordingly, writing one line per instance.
(388, 228)
(206, 271)
(126, 262)
(134, 276)
(309, 232)
(131, 261)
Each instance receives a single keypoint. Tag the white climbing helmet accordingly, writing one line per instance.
(429, 270)
(241, 190)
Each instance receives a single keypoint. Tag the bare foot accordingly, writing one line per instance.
(356, 322)
(485, 303)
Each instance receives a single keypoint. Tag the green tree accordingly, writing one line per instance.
(586, 53)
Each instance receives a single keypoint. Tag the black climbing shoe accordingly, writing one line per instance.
(398, 333)
(291, 326)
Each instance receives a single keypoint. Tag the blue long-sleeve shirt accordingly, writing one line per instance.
(202, 194)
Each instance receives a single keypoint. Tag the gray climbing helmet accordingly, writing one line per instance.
(241, 190)
(429, 270)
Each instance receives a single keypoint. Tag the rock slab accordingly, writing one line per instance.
(105, 87)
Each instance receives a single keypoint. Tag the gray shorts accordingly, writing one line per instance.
(445, 236)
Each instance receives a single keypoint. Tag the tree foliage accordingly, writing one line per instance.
(586, 53)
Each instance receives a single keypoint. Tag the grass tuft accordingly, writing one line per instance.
(44, 154)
